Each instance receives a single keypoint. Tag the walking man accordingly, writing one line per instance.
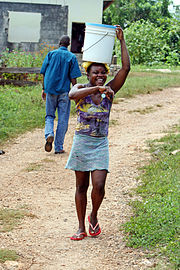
(60, 68)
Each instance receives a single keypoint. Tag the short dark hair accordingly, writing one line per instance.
(64, 40)
(96, 64)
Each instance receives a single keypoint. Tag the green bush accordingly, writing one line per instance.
(149, 44)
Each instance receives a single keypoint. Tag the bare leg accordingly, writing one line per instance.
(82, 184)
(98, 191)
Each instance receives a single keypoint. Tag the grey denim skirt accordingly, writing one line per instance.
(88, 153)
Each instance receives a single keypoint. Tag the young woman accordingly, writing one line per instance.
(90, 151)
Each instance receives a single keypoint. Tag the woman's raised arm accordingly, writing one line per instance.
(121, 76)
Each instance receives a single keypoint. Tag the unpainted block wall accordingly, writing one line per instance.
(54, 19)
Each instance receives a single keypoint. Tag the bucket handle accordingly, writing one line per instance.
(96, 42)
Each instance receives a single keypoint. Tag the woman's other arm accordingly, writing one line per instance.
(78, 91)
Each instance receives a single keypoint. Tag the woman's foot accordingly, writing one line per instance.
(93, 230)
(79, 235)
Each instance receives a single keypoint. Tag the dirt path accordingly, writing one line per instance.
(33, 178)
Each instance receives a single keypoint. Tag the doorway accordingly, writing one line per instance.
(77, 37)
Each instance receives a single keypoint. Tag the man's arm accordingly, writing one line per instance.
(43, 94)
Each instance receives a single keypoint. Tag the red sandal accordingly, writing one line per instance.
(79, 236)
(92, 230)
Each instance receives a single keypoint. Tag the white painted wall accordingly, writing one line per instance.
(82, 11)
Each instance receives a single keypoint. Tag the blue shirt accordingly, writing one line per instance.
(58, 68)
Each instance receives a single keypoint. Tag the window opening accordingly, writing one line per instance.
(24, 27)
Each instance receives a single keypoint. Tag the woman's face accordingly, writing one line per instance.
(97, 75)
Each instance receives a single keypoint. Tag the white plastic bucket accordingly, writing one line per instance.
(98, 43)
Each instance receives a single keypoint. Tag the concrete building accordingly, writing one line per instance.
(27, 23)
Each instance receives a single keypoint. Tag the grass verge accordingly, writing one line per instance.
(148, 82)
(8, 255)
(156, 221)
(21, 110)
(9, 219)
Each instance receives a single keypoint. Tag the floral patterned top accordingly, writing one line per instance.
(92, 119)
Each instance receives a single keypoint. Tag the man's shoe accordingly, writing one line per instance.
(48, 145)
(59, 152)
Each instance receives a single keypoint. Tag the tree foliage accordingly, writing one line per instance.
(125, 12)
(149, 44)
(152, 34)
